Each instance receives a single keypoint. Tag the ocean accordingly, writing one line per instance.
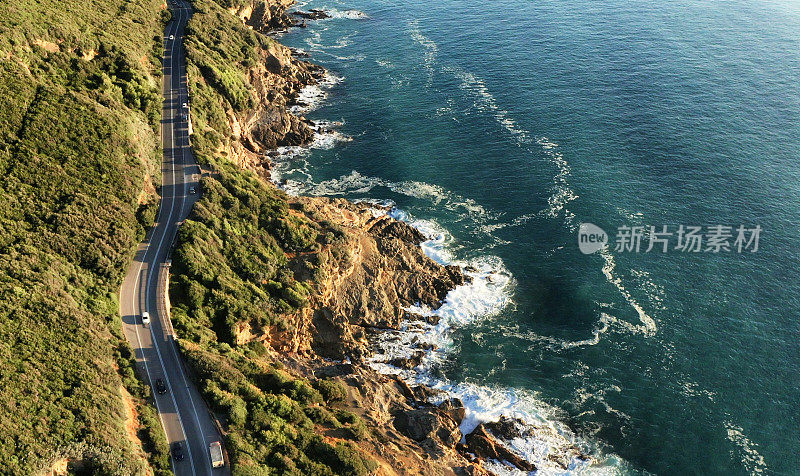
(499, 129)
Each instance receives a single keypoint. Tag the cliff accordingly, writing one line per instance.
(242, 95)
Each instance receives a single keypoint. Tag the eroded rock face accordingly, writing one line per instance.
(423, 423)
(454, 409)
(407, 435)
(265, 15)
(372, 276)
(275, 81)
(272, 128)
(484, 445)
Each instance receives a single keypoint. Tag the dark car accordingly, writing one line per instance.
(177, 451)
(161, 388)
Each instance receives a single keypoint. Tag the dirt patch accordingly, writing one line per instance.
(48, 46)
(131, 417)
(89, 55)
(59, 467)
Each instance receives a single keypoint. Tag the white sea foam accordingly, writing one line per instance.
(544, 441)
(430, 47)
(347, 14)
(484, 101)
(751, 459)
(437, 196)
(312, 96)
(647, 324)
(562, 191)
(292, 160)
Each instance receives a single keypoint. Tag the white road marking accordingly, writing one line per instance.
(147, 287)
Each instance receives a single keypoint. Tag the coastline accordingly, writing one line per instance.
(379, 338)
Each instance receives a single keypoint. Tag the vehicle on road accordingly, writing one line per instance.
(217, 459)
(171, 37)
(192, 190)
(146, 318)
(177, 451)
(185, 106)
(161, 388)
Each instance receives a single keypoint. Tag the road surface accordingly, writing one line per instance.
(184, 416)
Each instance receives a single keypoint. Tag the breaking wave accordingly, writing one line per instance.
(312, 96)
(543, 440)
(348, 14)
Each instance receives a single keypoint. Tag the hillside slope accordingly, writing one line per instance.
(79, 109)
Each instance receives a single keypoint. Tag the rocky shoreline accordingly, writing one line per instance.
(369, 283)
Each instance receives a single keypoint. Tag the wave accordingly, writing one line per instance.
(437, 196)
(312, 96)
(346, 14)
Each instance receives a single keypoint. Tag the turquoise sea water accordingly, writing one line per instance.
(502, 127)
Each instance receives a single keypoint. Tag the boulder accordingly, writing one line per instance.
(454, 409)
(409, 362)
(421, 424)
(505, 428)
(485, 446)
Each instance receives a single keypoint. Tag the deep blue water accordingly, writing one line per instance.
(510, 124)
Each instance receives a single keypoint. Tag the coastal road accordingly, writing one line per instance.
(184, 416)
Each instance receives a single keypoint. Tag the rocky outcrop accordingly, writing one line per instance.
(372, 276)
(275, 81)
(312, 14)
(265, 15)
(407, 435)
(484, 445)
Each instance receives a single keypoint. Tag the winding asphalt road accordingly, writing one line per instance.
(184, 416)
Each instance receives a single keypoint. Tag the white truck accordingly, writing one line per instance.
(217, 459)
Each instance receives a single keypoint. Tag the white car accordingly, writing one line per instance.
(146, 318)
(171, 37)
(185, 106)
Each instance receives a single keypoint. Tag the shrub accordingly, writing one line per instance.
(331, 390)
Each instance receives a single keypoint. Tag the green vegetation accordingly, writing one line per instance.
(273, 418)
(246, 259)
(79, 109)
(231, 262)
(219, 50)
(232, 269)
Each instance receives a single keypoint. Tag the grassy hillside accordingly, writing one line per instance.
(245, 258)
(79, 111)
(232, 267)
